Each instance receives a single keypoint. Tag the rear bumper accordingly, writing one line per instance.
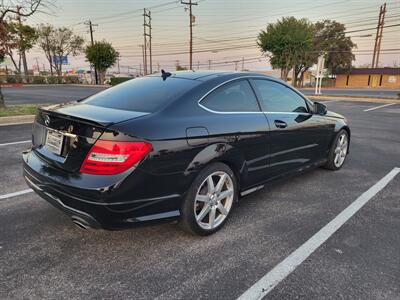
(114, 204)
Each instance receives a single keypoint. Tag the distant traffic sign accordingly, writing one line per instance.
(62, 59)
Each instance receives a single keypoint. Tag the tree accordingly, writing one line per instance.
(17, 38)
(57, 43)
(65, 43)
(29, 8)
(102, 56)
(330, 39)
(44, 41)
(1, 94)
(286, 42)
(180, 68)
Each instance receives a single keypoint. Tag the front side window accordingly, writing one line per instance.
(236, 96)
(276, 97)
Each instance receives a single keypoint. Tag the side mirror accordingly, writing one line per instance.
(320, 109)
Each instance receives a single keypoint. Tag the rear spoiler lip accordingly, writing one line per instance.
(57, 110)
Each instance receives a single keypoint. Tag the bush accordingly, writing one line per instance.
(118, 80)
(72, 79)
(11, 79)
(398, 95)
(19, 79)
(38, 80)
(3, 79)
(54, 80)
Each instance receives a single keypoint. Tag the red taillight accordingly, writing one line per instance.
(112, 157)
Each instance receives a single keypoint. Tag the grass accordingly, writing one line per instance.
(19, 110)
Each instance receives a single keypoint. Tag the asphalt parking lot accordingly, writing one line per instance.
(62, 93)
(43, 255)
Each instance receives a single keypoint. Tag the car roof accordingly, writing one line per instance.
(205, 75)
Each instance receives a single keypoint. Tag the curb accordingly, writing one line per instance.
(16, 120)
(354, 99)
(352, 96)
(22, 85)
(11, 85)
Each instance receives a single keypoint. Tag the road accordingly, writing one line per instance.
(65, 93)
(48, 94)
(42, 255)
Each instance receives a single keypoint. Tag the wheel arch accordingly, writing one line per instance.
(338, 128)
(223, 153)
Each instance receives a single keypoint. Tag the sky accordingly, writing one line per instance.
(225, 31)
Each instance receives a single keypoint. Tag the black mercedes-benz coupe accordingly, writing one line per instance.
(183, 146)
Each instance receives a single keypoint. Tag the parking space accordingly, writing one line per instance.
(361, 261)
(42, 255)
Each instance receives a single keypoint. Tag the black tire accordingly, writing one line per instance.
(188, 218)
(330, 164)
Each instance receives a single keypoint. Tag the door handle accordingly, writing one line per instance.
(280, 124)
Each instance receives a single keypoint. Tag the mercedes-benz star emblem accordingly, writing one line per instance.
(46, 120)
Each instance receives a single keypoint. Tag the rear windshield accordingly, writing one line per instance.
(147, 94)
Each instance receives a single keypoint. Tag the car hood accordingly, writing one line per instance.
(95, 114)
(334, 115)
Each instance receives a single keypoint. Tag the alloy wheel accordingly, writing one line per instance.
(341, 150)
(214, 200)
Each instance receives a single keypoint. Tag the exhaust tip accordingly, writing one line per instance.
(80, 223)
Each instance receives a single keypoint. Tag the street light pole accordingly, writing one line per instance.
(318, 79)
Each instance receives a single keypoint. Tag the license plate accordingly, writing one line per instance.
(54, 141)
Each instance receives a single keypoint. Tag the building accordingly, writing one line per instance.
(368, 78)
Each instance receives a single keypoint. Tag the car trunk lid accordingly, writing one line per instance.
(63, 134)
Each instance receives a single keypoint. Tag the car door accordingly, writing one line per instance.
(236, 119)
(297, 136)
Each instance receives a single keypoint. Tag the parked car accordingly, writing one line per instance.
(183, 146)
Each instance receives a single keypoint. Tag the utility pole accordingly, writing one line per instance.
(147, 41)
(89, 23)
(118, 59)
(209, 64)
(192, 19)
(378, 37)
(37, 65)
(243, 63)
(23, 54)
(144, 60)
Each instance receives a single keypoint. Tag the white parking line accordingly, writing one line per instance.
(15, 194)
(380, 106)
(270, 280)
(15, 143)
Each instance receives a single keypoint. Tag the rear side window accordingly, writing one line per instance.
(276, 97)
(147, 94)
(236, 96)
